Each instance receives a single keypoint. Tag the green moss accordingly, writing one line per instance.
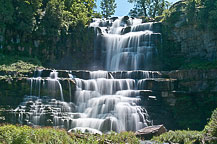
(23, 134)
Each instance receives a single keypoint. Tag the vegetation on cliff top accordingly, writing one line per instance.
(182, 17)
(45, 29)
(148, 8)
(23, 134)
(18, 64)
(199, 13)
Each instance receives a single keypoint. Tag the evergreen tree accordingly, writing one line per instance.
(108, 8)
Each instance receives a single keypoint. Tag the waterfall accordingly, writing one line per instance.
(37, 109)
(104, 100)
(128, 43)
(111, 102)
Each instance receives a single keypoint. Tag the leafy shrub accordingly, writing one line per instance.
(10, 134)
(181, 137)
(17, 135)
(211, 127)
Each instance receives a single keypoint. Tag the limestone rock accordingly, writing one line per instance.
(149, 132)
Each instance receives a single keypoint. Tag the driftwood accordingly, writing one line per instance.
(148, 132)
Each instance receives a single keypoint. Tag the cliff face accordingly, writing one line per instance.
(72, 51)
(181, 45)
(186, 38)
(194, 42)
(178, 99)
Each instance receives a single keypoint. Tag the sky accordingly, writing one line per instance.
(123, 7)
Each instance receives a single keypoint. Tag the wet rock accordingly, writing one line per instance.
(46, 73)
(85, 130)
(126, 30)
(114, 18)
(108, 125)
(49, 122)
(158, 84)
(63, 74)
(149, 132)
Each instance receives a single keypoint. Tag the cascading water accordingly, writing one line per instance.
(102, 100)
(128, 43)
(111, 102)
(39, 110)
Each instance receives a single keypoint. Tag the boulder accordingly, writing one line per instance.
(149, 132)
(85, 130)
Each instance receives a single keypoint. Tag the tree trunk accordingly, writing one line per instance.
(155, 8)
(144, 9)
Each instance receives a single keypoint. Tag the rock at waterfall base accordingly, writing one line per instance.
(149, 132)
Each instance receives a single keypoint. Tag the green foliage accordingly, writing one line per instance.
(200, 13)
(16, 135)
(141, 7)
(18, 64)
(25, 14)
(10, 59)
(42, 27)
(192, 110)
(53, 18)
(181, 137)
(151, 8)
(108, 8)
(208, 135)
(211, 127)
(6, 11)
(23, 134)
(97, 15)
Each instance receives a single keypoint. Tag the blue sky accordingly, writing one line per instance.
(123, 7)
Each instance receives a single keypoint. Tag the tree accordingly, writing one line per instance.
(108, 8)
(6, 13)
(141, 6)
(150, 8)
(25, 14)
(53, 18)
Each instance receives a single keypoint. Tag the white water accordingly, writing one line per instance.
(107, 100)
(110, 101)
(102, 103)
(130, 50)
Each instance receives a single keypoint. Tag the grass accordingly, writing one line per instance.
(11, 134)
